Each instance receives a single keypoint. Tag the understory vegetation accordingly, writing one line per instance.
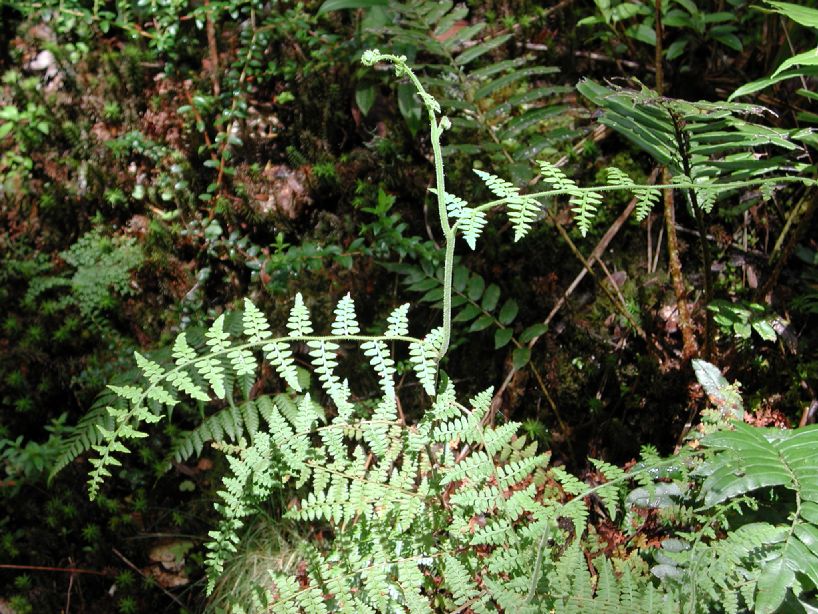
(380, 306)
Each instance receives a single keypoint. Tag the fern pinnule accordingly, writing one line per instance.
(646, 199)
(281, 357)
(255, 324)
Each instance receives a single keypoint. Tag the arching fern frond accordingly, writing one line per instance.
(229, 358)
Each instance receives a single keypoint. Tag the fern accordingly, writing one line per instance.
(228, 361)
(491, 102)
(749, 459)
(102, 274)
(522, 210)
(452, 511)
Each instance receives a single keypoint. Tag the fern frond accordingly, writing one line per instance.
(646, 199)
(231, 423)
(555, 178)
(323, 357)
(256, 327)
(382, 362)
(460, 581)
(281, 357)
(750, 458)
(522, 210)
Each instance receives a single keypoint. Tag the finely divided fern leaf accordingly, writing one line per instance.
(522, 210)
(424, 356)
(346, 323)
(299, 323)
(398, 322)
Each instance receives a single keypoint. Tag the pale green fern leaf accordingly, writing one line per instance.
(376, 433)
(584, 206)
(460, 581)
(281, 357)
(618, 178)
(181, 380)
(242, 361)
(472, 223)
(497, 438)
(521, 210)
(398, 322)
(424, 355)
(299, 323)
(382, 362)
(609, 493)
(411, 581)
(217, 337)
(151, 370)
(481, 403)
(706, 198)
(323, 358)
(254, 322)
(499, 187)
(211, 369)
(445, 405)
(345, 323)
(555, 178)
(646, 199)
(287, 588)
(183, 354)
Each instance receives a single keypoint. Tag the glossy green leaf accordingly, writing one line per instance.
(490, 297)
(520, 358)
(481, 323)
(502, 336)
(508, 311)
(535, 330)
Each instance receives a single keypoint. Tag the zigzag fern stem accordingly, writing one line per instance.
(436, 129)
